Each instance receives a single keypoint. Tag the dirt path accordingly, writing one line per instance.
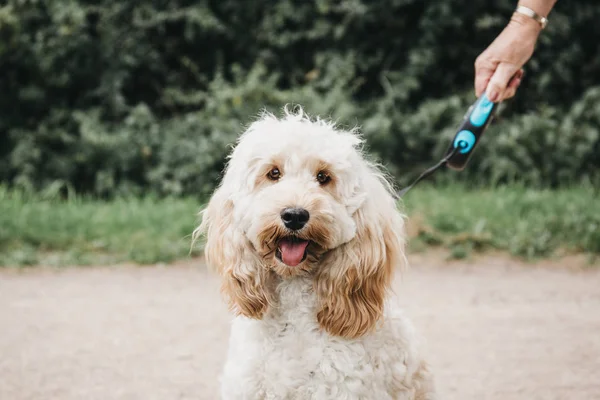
(494, 331)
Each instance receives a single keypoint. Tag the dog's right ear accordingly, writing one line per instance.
(245, 283)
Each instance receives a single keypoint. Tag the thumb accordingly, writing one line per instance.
(499, 82)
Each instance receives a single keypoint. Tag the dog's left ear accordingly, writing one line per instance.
(352, 282)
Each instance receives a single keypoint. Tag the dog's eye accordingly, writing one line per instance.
(274, 174)
(323, 177)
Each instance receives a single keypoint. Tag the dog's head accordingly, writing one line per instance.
(298, 198)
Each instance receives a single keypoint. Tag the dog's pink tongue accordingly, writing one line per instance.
(292, 252)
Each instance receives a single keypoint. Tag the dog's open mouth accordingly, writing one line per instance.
(291, 250)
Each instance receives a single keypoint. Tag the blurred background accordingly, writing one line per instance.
(115, 120)
(133, 97)
(135, 101)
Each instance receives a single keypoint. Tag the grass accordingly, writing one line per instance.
(86, 231)
(526, 223)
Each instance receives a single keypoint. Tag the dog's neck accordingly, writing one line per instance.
(293, 295)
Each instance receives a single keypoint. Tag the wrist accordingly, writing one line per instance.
(540, 7)
(526, 24)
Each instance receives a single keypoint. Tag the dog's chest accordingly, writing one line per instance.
(287, 355)
(292, 362)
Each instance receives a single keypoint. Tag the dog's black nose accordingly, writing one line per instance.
(294, 218)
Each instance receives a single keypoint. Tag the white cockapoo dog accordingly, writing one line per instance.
(306, 236)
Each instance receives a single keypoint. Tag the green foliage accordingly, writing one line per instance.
(132, 97)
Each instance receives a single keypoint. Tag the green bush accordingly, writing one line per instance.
(143, 96)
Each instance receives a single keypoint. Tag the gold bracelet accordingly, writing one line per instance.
(543, 21)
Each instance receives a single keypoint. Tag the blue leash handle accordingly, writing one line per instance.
(469, 133)
(475, 122)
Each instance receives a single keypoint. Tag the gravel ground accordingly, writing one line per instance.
(495, 329)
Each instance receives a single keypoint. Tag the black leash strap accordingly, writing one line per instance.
(469, 132)
(429, 171)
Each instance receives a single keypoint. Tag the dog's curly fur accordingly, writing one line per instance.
(326, 328)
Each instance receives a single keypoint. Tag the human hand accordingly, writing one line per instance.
(498, 69)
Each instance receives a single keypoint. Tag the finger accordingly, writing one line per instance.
(516, 79)
(509, 92)
(514, 83)
(484, 69)
(520, 73)
(499, 81)
(481, 81)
